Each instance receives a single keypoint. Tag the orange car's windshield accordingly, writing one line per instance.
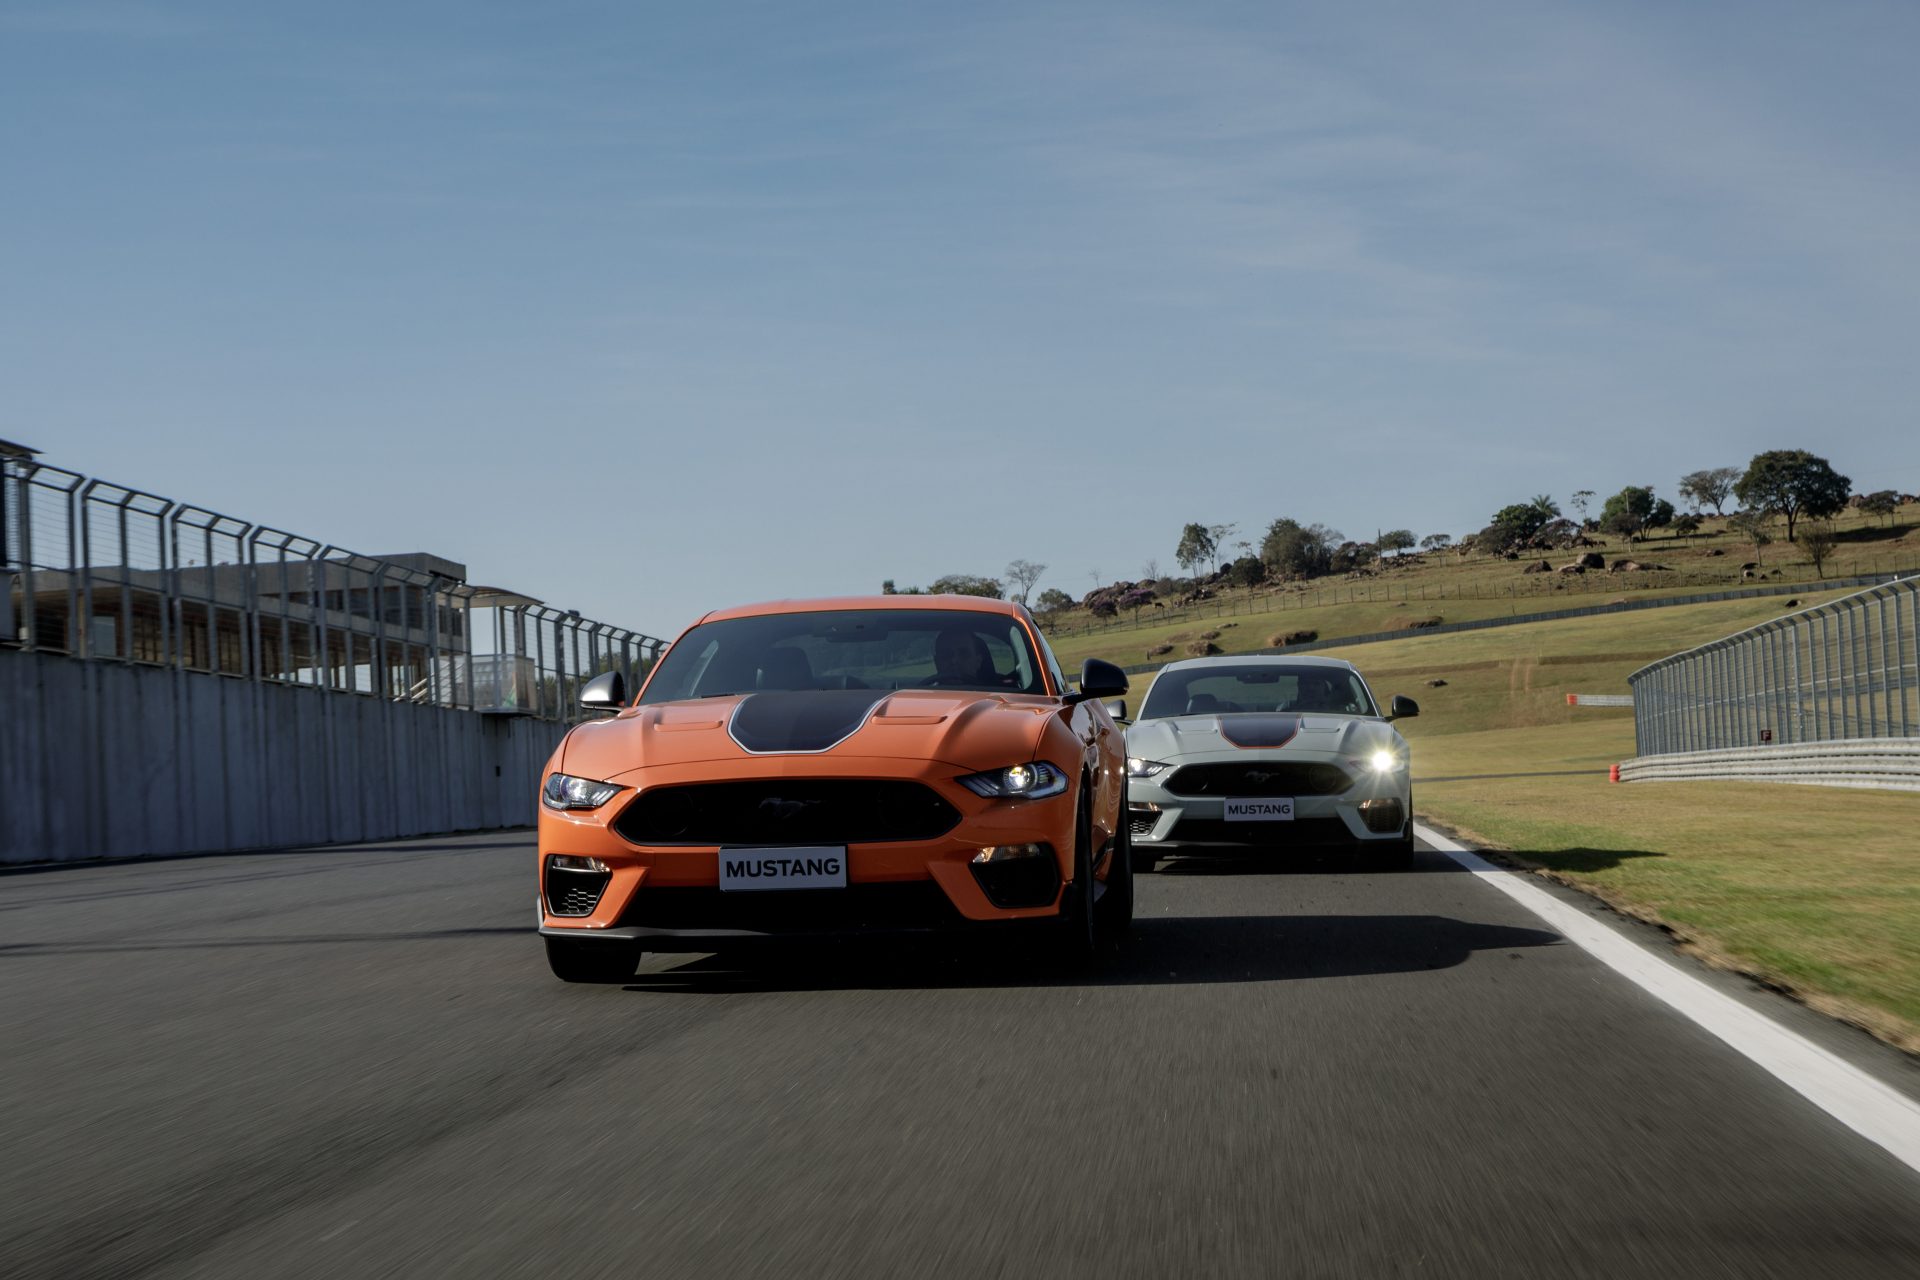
(849, 649)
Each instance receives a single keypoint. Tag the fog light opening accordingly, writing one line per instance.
(568, 862)
(1383, 815)
(1003, 853)
(1017, 875)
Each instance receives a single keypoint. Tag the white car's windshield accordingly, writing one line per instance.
(1268, 687)
(850, 649)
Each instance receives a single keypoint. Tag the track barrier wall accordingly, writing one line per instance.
(175, 680)
(1827, 695)
(105, 760)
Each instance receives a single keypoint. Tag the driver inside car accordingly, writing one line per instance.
(960, 658)
(1317, 693)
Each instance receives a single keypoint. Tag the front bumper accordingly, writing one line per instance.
(668, 896)
(1162, 819)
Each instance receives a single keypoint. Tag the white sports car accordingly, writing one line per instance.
(1270, 753)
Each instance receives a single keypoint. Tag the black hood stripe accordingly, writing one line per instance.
(805, 720)
(1259, 729)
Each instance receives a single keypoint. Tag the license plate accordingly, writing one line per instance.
(820, 867)
(1267, 810)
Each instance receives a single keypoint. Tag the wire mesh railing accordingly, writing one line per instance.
(1842, 671)
(102, 572)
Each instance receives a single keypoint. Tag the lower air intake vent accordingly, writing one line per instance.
(574, 893)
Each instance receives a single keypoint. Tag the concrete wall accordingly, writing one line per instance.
(104, 760)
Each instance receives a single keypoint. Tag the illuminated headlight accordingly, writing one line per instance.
(1017, 782)
(565, 792)
(1138, 768)
(1384, 762)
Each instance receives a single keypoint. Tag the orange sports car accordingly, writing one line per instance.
(894, 763)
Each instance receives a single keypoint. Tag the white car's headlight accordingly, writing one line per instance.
(1139, 768)
(1033, 781)
(566, 792)
(1385, 762)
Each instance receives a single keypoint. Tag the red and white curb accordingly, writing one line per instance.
(1880, 1114)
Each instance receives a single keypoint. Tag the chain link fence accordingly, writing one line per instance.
(102, 572)
(1844, 671)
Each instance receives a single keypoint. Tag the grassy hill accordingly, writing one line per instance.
(1814, 889)
(1459, 588)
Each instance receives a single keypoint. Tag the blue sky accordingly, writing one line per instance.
(649, 308)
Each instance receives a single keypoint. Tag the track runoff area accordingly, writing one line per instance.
(353, 1061)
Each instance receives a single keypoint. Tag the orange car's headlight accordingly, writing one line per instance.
(1033, 781)
(563, 791)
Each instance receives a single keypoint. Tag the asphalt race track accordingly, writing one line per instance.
(353, 1062)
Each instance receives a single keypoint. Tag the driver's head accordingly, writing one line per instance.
(1316, 693)
(959, 654)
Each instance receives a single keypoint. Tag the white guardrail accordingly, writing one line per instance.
(1886, 763)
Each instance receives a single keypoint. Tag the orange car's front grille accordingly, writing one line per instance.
(786, 811)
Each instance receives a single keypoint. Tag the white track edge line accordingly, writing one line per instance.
(1877, 1112)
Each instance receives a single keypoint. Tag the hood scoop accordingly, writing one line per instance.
(1259, 729)
(678, 721)
(802, 721)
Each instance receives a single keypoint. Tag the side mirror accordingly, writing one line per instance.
(1098, 680)
(1117, 709)
(1403, 708)
(605, 692)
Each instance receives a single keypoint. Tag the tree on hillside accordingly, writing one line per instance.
(1687, 525)
(1349, 556)
(1579, 502)
(1712, 486)
(1024, 574)
(1436, 542)
(1053, 600)
(1397, 541)
(1883, 503)
(1220, 533)
(1301, 551)
(965, 584)
(1793, 483)
(1632, 511)
(1751, 526)
(1515, 525)
(1198, 546)
(1817, 540)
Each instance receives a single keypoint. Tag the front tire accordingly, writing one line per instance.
(1077, 932)
(1113, 914)
(596, 960)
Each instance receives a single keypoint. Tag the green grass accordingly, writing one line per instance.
(1814, 889)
